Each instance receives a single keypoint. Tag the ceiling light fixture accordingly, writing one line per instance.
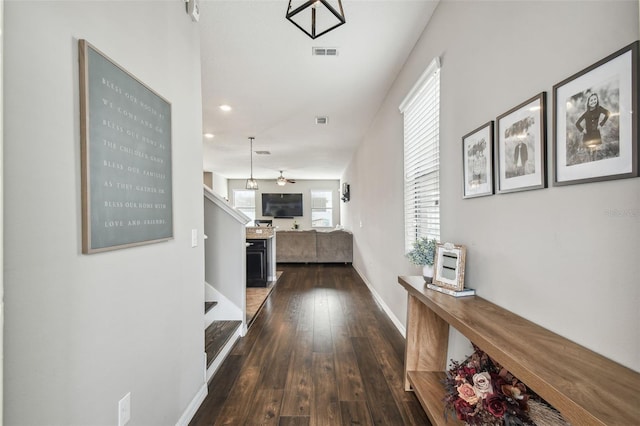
(209, 135)
(282, 181)
(316, 17)
(251, 182)
(225, 108)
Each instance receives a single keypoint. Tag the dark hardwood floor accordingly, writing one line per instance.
(320, 352)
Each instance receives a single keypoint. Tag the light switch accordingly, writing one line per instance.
(124, 410)
(194, 238)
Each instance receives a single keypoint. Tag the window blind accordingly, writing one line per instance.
(321, 208)
(421, 112)
(245, 201)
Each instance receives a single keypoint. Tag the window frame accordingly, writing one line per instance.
(330, 209)
(421, 116)
(247, 211)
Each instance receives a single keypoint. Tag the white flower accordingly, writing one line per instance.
(482, 385)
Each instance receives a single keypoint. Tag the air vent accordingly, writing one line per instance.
(322, 120)
(263, 153)
(325, 51)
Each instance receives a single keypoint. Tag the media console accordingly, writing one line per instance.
(587, 388)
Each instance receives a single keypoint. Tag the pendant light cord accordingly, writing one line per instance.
(251, 155)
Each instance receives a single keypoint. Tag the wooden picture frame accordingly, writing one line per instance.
(477, 162)
(449, 265)
(520, 147)
(125, 134)
(595, 121)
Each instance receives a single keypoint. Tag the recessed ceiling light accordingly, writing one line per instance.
(209, 135)
(225, 107)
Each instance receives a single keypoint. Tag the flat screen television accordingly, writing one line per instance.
(282, 205)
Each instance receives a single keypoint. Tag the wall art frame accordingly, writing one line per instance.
(449, 265)
(595, 121)
(125, 136)
(521, 148)
(477, 162)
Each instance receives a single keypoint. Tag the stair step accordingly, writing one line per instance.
(216, 336)
(208, 306)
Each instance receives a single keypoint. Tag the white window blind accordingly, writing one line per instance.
(321, 208)
(245, 201)
(421, 111)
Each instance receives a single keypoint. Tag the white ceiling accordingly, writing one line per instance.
(259, 63)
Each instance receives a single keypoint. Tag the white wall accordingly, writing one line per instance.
(303, 187)
(83, 330)
(225, 253)
(220, 186)
(1, 206)
(562, 256)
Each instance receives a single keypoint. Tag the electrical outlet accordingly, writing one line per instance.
(124, 410)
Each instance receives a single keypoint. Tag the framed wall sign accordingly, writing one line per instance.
(477, 162)
(521, 147)
(595, 121)
(125, 130)
(448, 266)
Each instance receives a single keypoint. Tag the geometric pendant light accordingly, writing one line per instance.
(316, 17)
(251, 182)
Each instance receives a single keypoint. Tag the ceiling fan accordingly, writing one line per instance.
(282, 181)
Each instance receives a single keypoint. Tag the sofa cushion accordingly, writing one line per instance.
(334, 246)
(296, 246)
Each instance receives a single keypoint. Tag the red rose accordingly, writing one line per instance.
(463, 409)
(495, 406)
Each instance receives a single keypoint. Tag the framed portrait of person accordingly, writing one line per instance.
(521, 147)
(595, 121)
(477, 162)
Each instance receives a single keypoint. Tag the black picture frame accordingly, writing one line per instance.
(477, 162)
(595, 121)
(521, 147)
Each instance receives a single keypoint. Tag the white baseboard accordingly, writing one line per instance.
(192, 409)
(195, 404)
(401, 328)
(223, 353)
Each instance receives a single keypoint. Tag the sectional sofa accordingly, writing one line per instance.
(311, 246)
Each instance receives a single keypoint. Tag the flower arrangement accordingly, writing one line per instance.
(423, 252)
(481, 392)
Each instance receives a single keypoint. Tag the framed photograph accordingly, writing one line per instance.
(477, 162)
(448, 266)
(521, 147)
(595, 121)
(125, 136)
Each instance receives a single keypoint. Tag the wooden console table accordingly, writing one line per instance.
(587, 388)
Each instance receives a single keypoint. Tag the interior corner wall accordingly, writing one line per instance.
(564, 257)
(81, 331)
